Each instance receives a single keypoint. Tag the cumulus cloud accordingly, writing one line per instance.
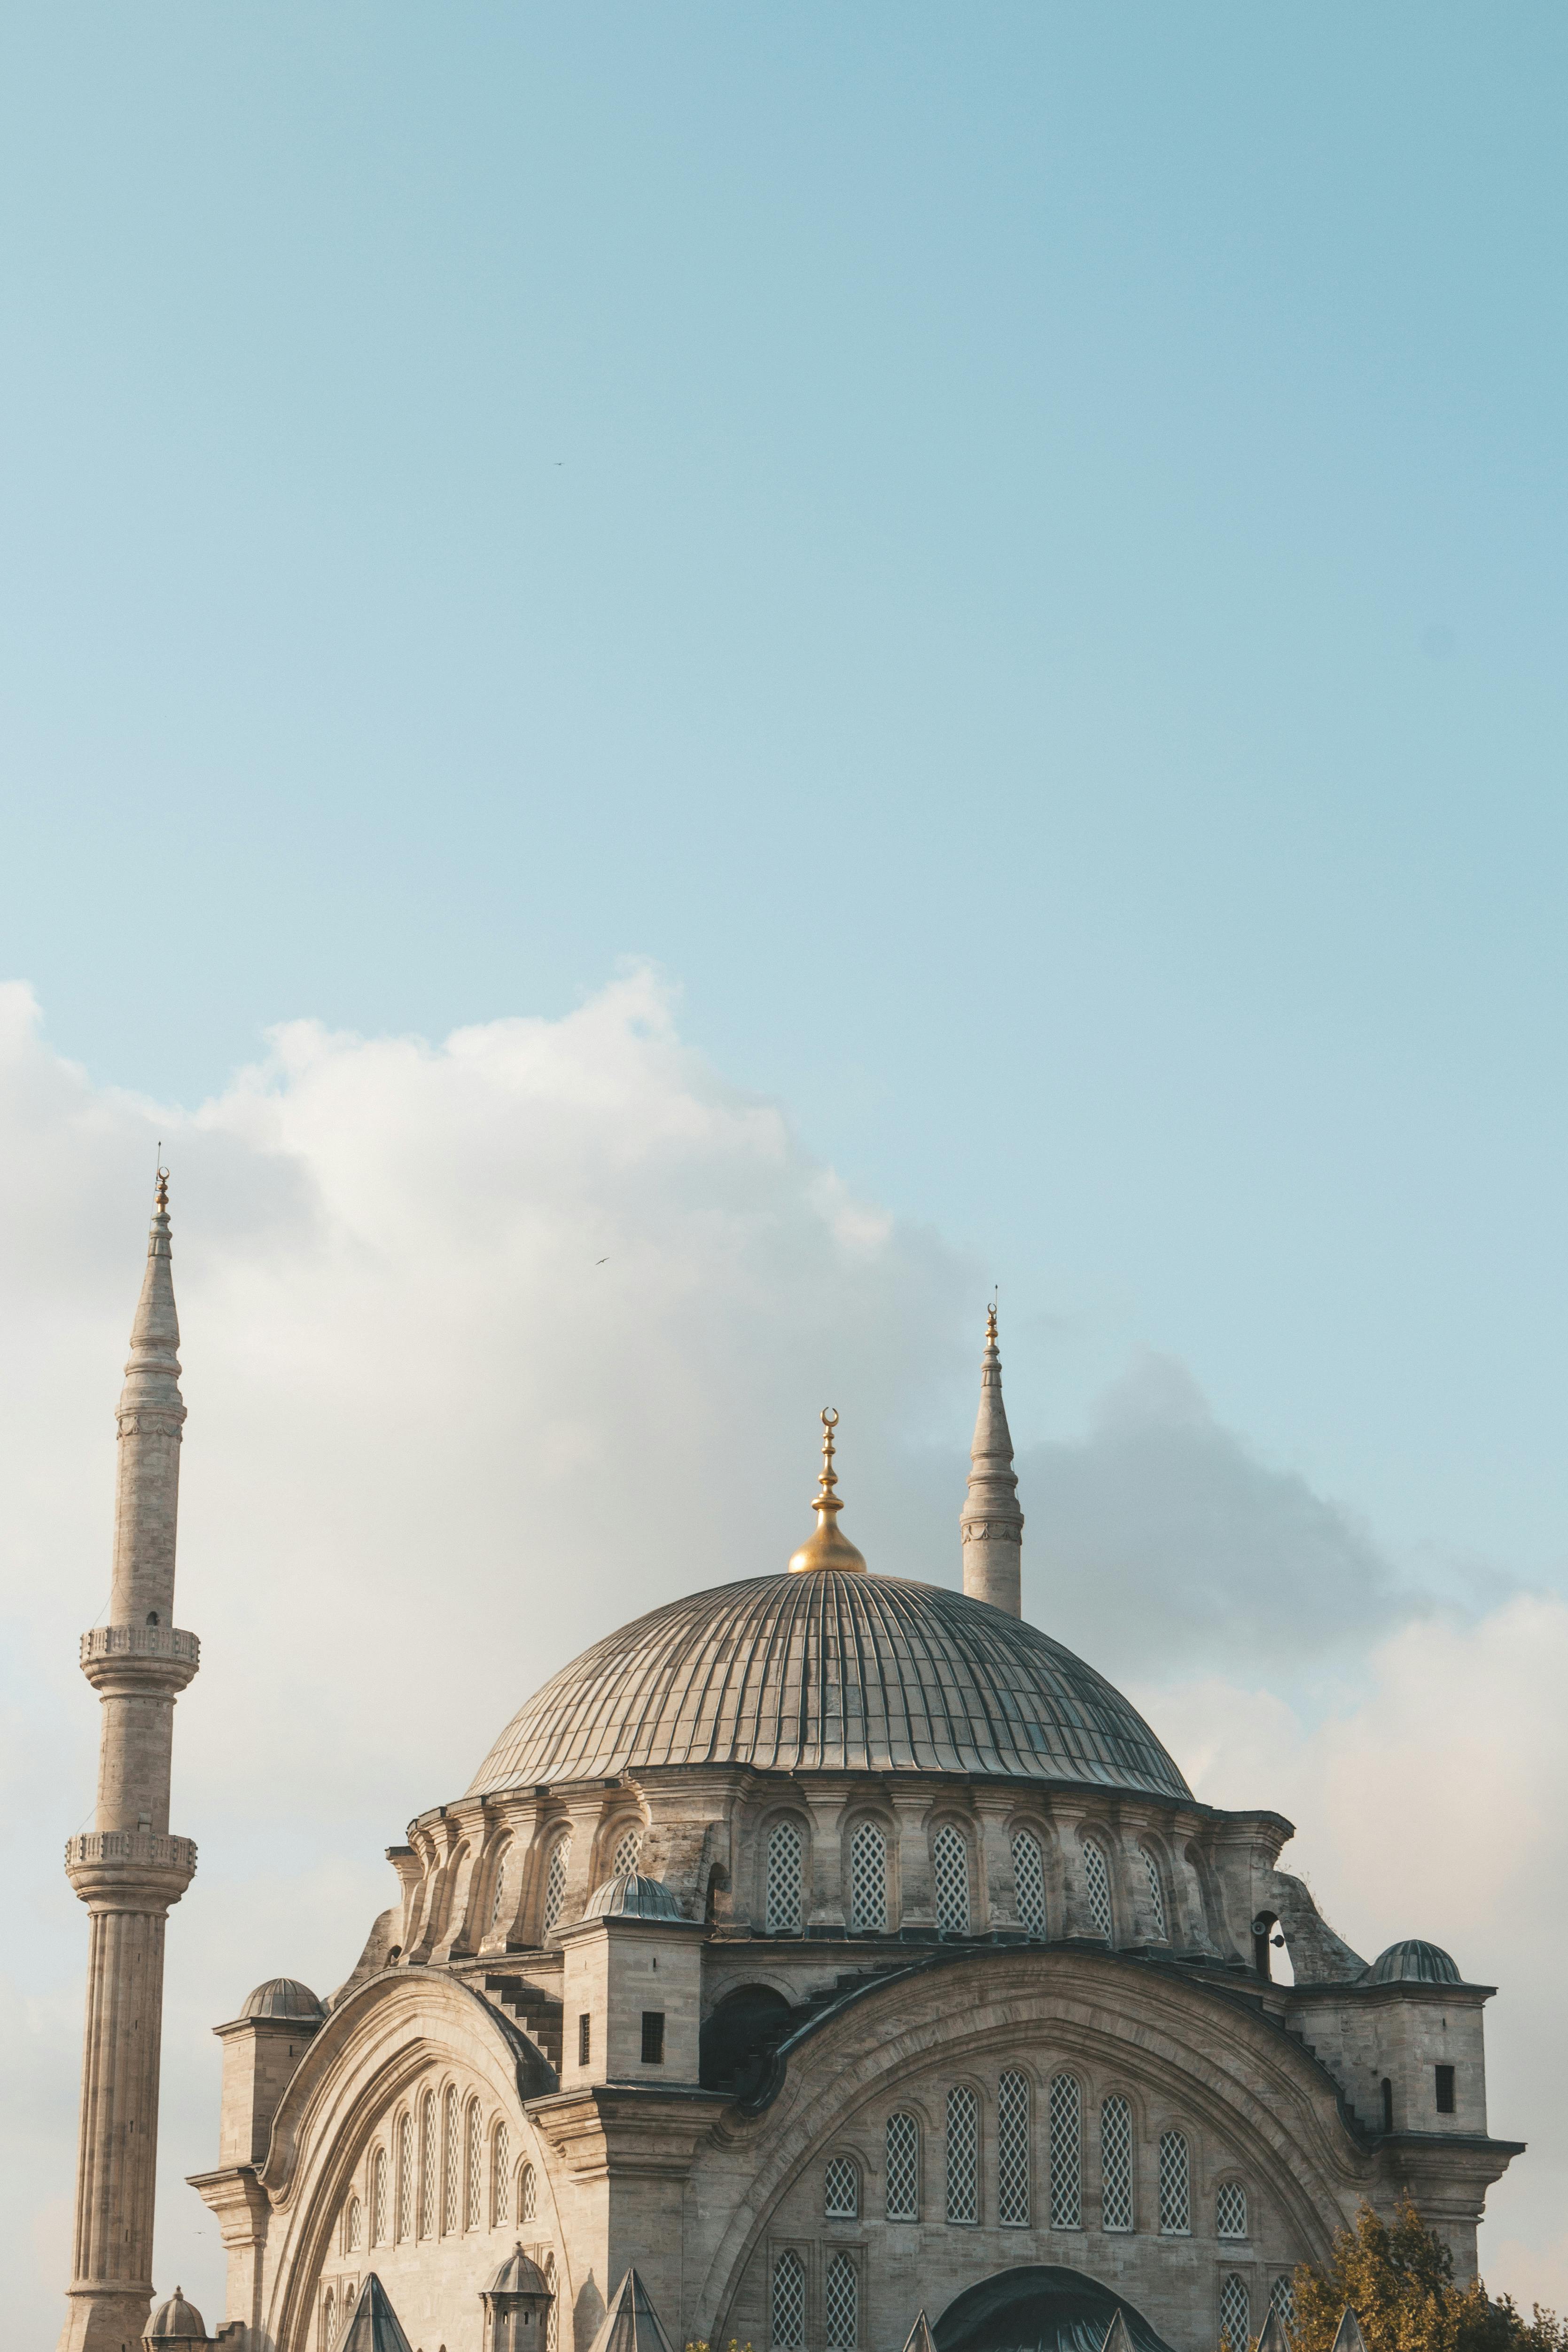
(489, 1346)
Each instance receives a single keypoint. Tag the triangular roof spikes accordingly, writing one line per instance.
(1349, 2338)
(374, 2326)
(919, 2338)
(1117, 2339)
(629, 2323)
(1273, 2339)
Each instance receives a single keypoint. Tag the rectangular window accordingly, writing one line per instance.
(584, 2038)
(1445, 2090)
(653, 2037)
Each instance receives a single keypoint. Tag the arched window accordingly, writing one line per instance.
(353, 2228)
(962, 2155)
(452, 2164)
(1176, 2201)
(842, 2189)
(427, 2165)
(1282, 2297)
(1235, 2313)
(903, 2151)
(868, 1878)
(379, 2198)
(1066, 2152)
(1097, 1884)
(528, 2195)
(473, 2169)
(840, 2303)
(500, 2178)
(788, 2301)
(1012, 2151)
(1116, 2164)
(553, 2309)
(329, 2320)
(405, 2177)
(1028, 1882)
(950, 1873)
(784, 1879)
(1230, 2211)
(1157, 1894)
(503, 1876)
(627, 1849)
(555, 1883)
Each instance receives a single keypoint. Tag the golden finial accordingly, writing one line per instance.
(161, 1194)
(827, 1548)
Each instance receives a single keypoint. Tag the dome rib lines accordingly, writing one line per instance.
(831, 1673)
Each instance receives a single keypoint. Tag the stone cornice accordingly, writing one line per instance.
(634, 2127)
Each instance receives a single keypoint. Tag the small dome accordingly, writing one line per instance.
(518, 2275)
(176, 2322)
(1413, 1962)
(629, 1897)
(281, 1997)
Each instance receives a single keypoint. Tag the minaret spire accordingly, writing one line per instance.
(127, 1868)
(992, 1523)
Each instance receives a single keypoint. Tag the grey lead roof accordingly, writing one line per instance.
(831, 1672)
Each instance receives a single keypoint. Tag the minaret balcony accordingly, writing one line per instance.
(134, 1868)
(162, 1657)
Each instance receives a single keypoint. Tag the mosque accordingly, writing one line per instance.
(814, 1952)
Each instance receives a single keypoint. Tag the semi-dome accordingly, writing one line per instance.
(176, 2322)
(831, 1672)
(281, 1997)
(1414, 1962)
(628, 1896)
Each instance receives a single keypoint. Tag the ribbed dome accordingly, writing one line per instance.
(176, 2322)
(629, 1897)
(519, 2275)
(1414, 1962)
(831, 1673)
(281, 1997)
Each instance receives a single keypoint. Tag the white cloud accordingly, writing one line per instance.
(435, 1445)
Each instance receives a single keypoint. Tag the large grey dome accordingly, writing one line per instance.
(831, 1672)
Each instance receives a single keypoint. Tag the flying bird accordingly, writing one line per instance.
(602, 1261)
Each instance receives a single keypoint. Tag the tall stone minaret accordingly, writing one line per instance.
(127, 1868)
(992, 1523)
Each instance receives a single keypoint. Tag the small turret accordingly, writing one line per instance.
(992, 1523)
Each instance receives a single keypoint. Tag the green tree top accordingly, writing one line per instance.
(1399, 2280)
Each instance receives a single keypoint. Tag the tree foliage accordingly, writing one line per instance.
(1398, 2279)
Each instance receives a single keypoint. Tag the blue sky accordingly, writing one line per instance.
(1015, 552)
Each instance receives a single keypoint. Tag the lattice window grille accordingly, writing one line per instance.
(868, 1878)
(352, 2228)
(788, 2301)
(1156, 1892)
(841, 2303)
(405, 2177)
(950, 1870)
(553, 2309)
(842, 2190)
(1282, 2296)
(784, 1880)
(1176, 2205)
(1097, 1884)
(962, 2155)
(451, 2167)
(379, 2198)
(501, 2175)
(1028, 1882)
(555, 1881)
(427, 2153)
(503, 1872)
(1231, 2210)
(1235, 2313)
(473, 2182)
(1012, 2151)
(1066, 2152)
(625, 1856)
(903, 2151)
(1116, 2164)
(329, 2320)
(528, 2195)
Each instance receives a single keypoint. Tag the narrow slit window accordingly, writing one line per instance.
(1116, 2164)
(653, 2037)
(950, 1871)
(903, 2152)
(1029, 1882)
(1444, 2075)
(868, 1878)
(584, 2038)
(1097, 1884)
(1012, 2151)
(1066, 2154)
(784, 1880)
(555, 1883)
(962, 2155)
(1156, 1892)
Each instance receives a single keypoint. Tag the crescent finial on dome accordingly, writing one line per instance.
(827, 1548)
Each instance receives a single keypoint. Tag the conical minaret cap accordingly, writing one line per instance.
(152, 1367)
(828, 1548)
(992, 1497)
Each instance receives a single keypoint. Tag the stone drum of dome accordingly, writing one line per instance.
(831, 1672)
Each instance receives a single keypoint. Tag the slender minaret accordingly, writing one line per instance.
(127, 1868)
(992, 1523)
